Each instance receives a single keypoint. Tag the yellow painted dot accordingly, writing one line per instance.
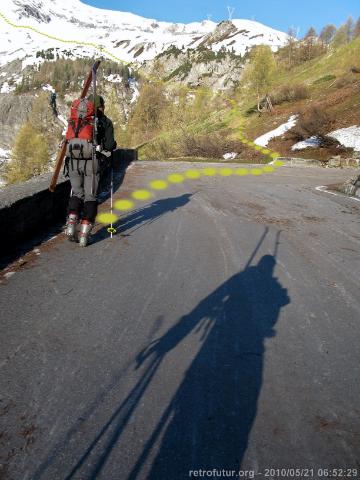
(256, 171)
(241, 171)
(226, 172)
(175, 178)
(192, 174)
(124, 205)
(141, 194)
(209, 171)
(106, 217)
(278, 163)
(268, 168)
(257, 147)
(158, 184)
(265, 151)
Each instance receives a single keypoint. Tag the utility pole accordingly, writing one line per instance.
(231, 11)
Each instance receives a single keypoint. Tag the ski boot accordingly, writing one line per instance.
(84, 232)
(70, 229)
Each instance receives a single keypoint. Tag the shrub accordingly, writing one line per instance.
(189, 144)
(314, 122)
(288, 93)
(345, 80)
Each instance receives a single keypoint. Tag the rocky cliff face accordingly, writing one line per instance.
(197, 67)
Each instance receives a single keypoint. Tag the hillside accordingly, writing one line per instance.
(332, 86)
(323, 94)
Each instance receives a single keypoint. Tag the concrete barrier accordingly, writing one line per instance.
(28, 208)
(301, 162)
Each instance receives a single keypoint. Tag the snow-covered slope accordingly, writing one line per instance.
(121, 34)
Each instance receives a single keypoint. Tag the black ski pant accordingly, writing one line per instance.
(82, 178)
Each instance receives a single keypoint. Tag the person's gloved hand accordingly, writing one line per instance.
(104, 152)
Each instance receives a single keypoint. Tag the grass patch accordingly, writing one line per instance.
(325, 78)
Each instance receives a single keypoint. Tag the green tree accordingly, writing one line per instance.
(261, 69)
(147, 117)
(30, 155)
(41, 116)
(340, 37)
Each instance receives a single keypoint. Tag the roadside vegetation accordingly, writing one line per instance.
(30, 155)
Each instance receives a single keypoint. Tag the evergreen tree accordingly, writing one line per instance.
(29, 156)
(311, 33)
(309, 44)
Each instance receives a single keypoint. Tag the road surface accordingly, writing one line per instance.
(217, 331)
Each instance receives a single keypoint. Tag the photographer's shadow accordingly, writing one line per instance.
(208, 422)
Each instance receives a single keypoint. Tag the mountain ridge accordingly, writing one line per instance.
(123, 34)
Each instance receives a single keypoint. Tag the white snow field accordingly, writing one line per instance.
(125, 35)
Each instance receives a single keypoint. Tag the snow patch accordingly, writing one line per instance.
(4, 154)
(263, 140)
(48, 88)
(230, 155)
(348, 137)
(135, 91)
(114, 78)
(6, 88)
(311, 142)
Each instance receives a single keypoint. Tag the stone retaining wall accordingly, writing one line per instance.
(29, 207)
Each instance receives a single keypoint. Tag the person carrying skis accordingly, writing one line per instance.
(84, 168)
(52, 101)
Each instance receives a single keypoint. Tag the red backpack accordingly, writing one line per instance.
(80, 131)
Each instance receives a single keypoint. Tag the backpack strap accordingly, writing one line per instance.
(66, 167)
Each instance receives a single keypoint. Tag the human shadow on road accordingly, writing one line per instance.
(144, 216)
(207, 423)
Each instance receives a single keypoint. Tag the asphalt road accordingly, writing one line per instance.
(219, 329)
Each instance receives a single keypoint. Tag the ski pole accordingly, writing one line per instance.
(94, 132)
(111, 229)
